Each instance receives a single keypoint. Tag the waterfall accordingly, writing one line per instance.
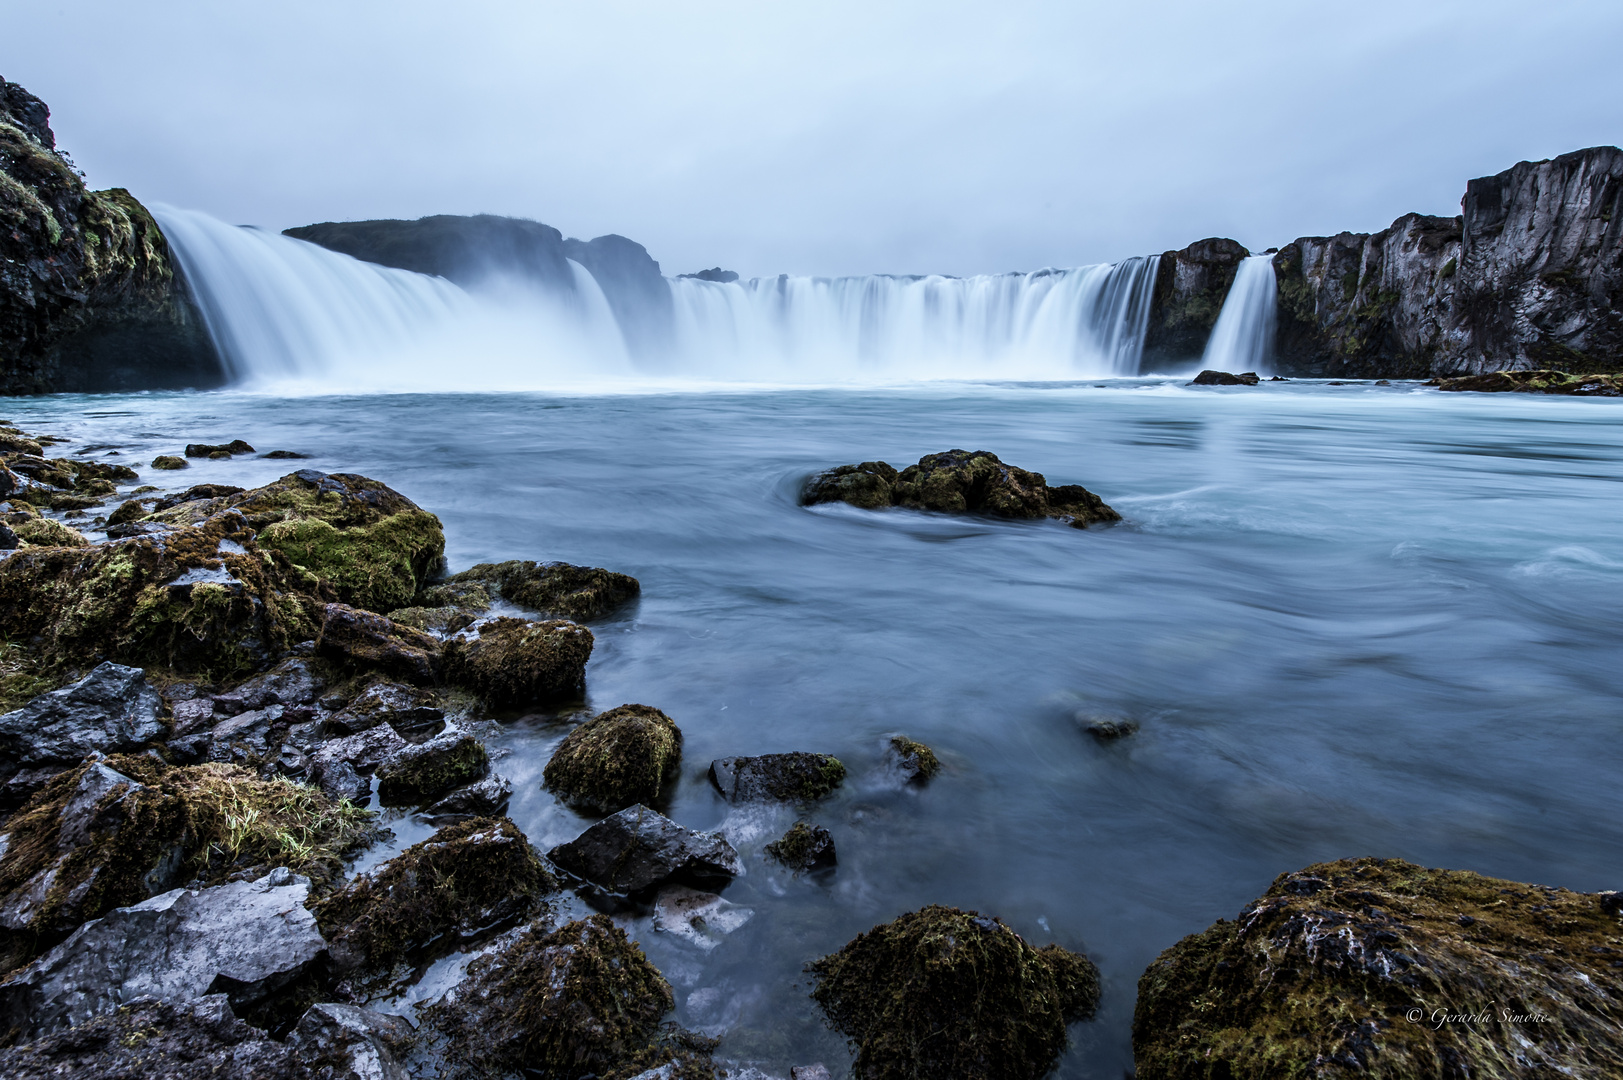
(1243, 338)
(284, 311)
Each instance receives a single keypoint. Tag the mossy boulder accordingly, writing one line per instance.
(465, 883)
(513, 662)
(959, 482)
(944, 993)
(555, 589)
(365, 641)
(416, 774)
(792, 777)
(204, 599)
(169, 461)
(578, 1001)
(1380, 968)
(616, 759)
(1541, 381)
(916, 762)
(47, 532)
(804, 847)
(371, 545)
(116, 831)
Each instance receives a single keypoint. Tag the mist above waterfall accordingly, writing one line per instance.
(285, 312)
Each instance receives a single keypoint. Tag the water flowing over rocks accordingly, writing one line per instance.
(804, 847)
(1190, 287)
(1380, 968)
(639, 848)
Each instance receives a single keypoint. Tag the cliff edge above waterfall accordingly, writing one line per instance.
(89, 299)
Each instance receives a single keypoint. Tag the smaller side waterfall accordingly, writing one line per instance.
(1243, 338)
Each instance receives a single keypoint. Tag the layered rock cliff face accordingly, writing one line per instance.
(472, 251)
(89, 300)
(1190, 286)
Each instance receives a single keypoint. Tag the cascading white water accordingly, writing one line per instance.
(1048, 324)
(285, 311)
(1243, 338)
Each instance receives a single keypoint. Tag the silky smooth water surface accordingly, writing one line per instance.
(1350, 620)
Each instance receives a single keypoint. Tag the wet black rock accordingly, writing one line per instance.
(793, 777)
(484, 798)
(195, 493)
(1107, 728)
(407, 709)
(639, 848)
(1223, 378)
(1190, 287)
(203, 450)
(414, 775)
(246, 938)
(804, 847)
(285, 455)
(371, 642)
(513, 662)
(344, 1042)
(294, 681)
(108, 711)
(556, 590)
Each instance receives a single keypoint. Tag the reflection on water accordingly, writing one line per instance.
(1349, 621)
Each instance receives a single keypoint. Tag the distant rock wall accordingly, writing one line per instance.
(1190, 286)
(89, 299)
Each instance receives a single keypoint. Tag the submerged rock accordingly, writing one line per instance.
(804, 847)
(915, 762)
(574, 1002)
(616, 759)
(515, 662)
(1536, 382)
(794, 777)
(465, 883)
(1223, 378)
(639, 848)
(246, 938)
(414, 775)
(1384, 969)
(953, 994)
(108, 711)
(169, 461)
(958, 481)
(555, 589)
(698, 918)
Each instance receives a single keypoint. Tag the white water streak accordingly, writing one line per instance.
(1243, 338)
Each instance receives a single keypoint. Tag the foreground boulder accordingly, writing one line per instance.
(556, 590)
(958, 482)
(1223, 378)
(574, 1002)
(616, 759)
(114, 833)
(794, 777)
(246, 938)
(1380, 968)
(514, 662)
(804, 847)
(639, 848)
(1536, 382)
(465, 883)
(953, 994)
(108, 711)
(370, 642)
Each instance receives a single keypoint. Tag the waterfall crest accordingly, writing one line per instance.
(1243, 339)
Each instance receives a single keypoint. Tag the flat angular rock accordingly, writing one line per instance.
(294, 681)
(638, 848)
(245, 736)
(108, 711)
(354, 1043)
(244, 938)
(363, 752)
(795, 777)
(372, 641)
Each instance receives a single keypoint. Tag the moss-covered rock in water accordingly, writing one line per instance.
(916, 762)
(556, 589)
(517, 662)
(47, 532)
(578, 1001)
(169, 461)
(792, 777)
(1383, 969)
(1537, 382)
(416, 774)
(804, 847)
(466, 882)
(944, 993)
(204, 600)
(958, 482)
(616, 759)
(373, 546)
(114, 832)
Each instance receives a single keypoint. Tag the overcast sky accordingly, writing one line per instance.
(826, 137)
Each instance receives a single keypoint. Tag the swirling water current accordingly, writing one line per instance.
(1350, 620)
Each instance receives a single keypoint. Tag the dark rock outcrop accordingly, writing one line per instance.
(793, 777)
(616, 759)
(1190, 287)
(108, 711)
(1536, 382)
(414, 775)
(1384, 969)
(514, 662)
(1224, 378)
(953, 994)
(556, 590)
(958, 482)
(90, 299)
(342, 1042)
(715, 274)
(639, 848)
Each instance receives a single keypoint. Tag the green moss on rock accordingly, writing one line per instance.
(556, 589)
(804, 847)
(1538, 381)
(47, 532)
(916, 760)
(419, 773)
(616, 759)
(944, 993)
(1383, 969)
(517, 662)
(169, 461)
(466, 882)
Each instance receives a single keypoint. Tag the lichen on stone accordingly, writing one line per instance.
(616, 759)
(943, 993)
(47, 532)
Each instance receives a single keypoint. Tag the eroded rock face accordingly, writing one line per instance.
(954, 994)
(958, 482)
(639, 848)
(616, 759)
(109, 711)
(1190, 287)
(793, 777)
(246, 939)
(578, 1001)
(1364, 947)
